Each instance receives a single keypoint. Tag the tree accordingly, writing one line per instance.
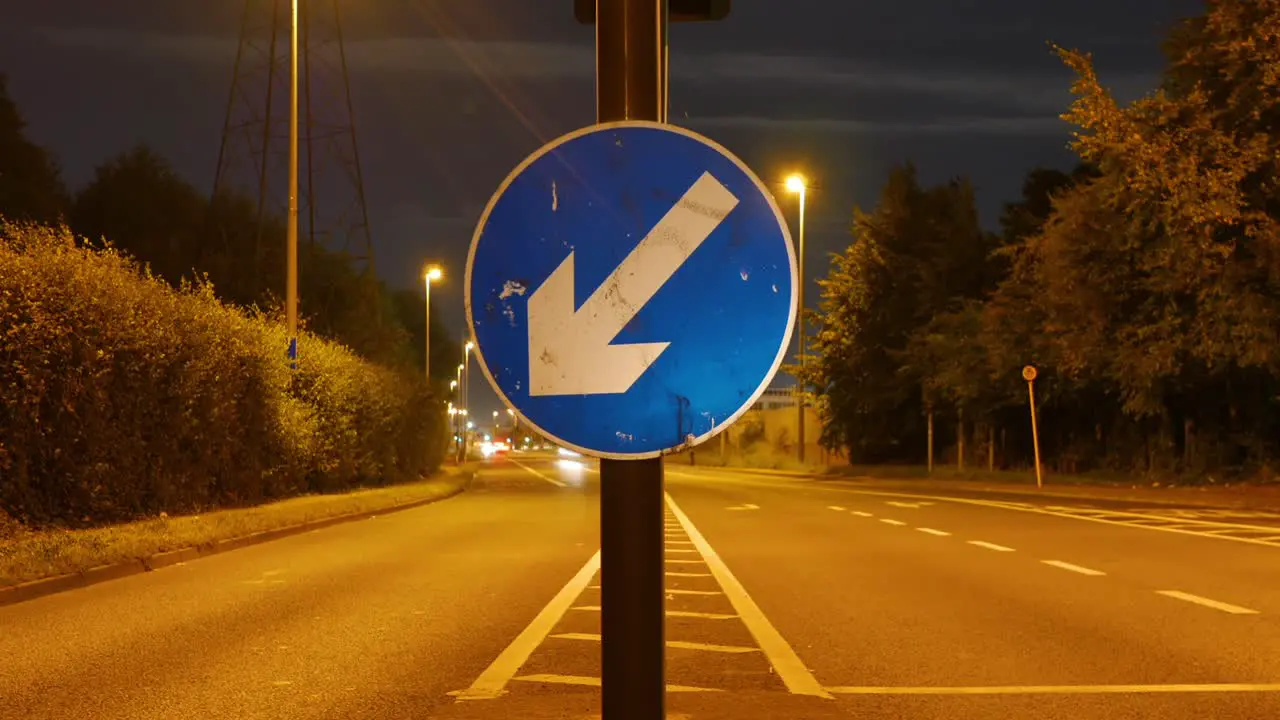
(143, 207)
(30, 185)
(917, 256)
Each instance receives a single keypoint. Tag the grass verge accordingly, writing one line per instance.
(27, 555)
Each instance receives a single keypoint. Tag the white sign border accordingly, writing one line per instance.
(784, 346)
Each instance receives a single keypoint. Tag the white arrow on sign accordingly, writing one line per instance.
(569, 347)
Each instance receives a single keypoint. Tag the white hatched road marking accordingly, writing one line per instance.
(706, 647)
(785, 662)
(595, 682)
(492, 682)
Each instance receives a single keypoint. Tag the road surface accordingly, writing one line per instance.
(786, 598)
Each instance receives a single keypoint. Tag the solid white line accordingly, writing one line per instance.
(493, 681)
(673, 591)
(680, 550)
(548, 478)
(592, 681)
(859, 513)
(708, 647)
(684, 562)
(931, 531)
(1072, 568)
(1215, 604)
(837, 508)
(887, 521)
(785, 662)
(685, 574)
(1058, 689)
(679, 542)
(990, 546)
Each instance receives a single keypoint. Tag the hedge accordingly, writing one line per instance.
(121, 397)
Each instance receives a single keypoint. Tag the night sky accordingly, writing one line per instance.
(450, 95)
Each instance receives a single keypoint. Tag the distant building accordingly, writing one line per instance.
(775, 398)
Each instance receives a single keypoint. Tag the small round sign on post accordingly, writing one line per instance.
(1029, 374)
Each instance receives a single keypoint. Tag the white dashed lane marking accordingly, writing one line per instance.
(990, 546)
(1073, 568)
(931, 531)
(888, 521)
(1206, 602)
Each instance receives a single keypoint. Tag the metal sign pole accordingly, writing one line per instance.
(629, 65)
(1029, 374)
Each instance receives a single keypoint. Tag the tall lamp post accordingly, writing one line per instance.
(797, 184)
(432, 274)
(291, 237)
(466, 392)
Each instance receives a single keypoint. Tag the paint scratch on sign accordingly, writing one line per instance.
(744, 275)
(512, 287)
(555, 200)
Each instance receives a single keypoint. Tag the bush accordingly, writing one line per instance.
(121, 397)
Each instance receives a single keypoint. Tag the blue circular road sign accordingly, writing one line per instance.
(631, 288)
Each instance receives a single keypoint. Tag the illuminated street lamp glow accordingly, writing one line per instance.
(796, 183)
(434, 273)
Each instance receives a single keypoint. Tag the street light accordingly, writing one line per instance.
(796, 184)
(464, 373)
(432, 274)
(291, 236)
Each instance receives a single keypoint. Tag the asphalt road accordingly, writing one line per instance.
(786, 598)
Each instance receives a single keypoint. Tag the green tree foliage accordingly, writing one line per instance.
(1144, 285)
(919, 254)
(30, 186)
(125, 397)
(144, 208)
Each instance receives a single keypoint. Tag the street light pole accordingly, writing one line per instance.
(459, 426)
(291, 250)
(466, 390)
(433, 273)
(797, 184)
